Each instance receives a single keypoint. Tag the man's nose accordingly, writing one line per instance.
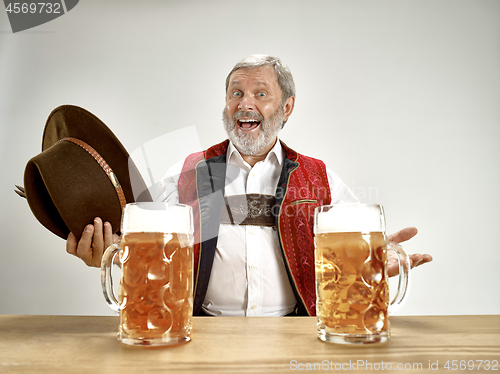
(246, 103)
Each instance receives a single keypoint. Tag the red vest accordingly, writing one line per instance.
(302, 186)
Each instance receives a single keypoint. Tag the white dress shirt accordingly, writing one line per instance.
(248, 275)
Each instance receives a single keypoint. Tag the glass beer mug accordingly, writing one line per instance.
(352, 290)
(155, 297)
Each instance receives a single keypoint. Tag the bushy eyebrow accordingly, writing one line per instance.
(259, 83)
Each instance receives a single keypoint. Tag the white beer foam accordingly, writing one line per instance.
(350, 218)
(157, 217)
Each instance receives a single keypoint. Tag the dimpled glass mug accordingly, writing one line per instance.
(352, 305)
(155, 299)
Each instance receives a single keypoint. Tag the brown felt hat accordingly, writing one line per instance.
(83, 172)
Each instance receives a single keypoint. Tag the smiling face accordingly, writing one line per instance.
(254, 114)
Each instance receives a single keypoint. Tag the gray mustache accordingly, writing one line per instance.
(251, 115)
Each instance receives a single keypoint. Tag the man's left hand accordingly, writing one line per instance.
(416, 259)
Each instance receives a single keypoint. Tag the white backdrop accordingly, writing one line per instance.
(399, 98)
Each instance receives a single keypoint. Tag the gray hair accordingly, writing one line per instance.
(285, 79)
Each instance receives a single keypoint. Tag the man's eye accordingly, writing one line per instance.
(261, 94)
(236, 93)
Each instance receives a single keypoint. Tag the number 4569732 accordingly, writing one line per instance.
(471, 365)
(33, 8)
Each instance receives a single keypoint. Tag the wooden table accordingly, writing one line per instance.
(82, 344)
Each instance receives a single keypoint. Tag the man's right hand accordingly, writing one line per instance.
(93, 242)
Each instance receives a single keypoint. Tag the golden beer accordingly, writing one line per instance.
(352, 293)
(155, 297)
(351, 283)
(156, 292)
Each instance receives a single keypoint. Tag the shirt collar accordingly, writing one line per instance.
(276, 151)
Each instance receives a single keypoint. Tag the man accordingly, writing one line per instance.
(250, 266)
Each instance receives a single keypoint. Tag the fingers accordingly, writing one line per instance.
(97, 240)
(417, 259)
(102, 239)
(403, 235)
(84, 246)
(77, 248)
(108, 235)
(109, 239)
(71, 244)
(94, 240)
(426, 258)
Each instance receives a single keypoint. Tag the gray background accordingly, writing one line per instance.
(400, 98)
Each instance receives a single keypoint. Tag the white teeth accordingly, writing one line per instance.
(248, 120)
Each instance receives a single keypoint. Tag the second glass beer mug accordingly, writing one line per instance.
(352, 290)
(155, 299)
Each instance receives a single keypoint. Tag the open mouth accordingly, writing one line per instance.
(248, 124)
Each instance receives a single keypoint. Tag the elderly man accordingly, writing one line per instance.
(260, 264)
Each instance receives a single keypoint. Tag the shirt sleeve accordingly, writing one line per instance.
(167, 189)
(341, 194)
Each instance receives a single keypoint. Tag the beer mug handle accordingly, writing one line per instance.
(404, 276)
(106, 279)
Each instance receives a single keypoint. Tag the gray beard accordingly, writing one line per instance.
(246, 143)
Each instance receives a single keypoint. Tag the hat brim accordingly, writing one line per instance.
(66, 187)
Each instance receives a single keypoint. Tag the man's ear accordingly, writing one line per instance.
(288, 109)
